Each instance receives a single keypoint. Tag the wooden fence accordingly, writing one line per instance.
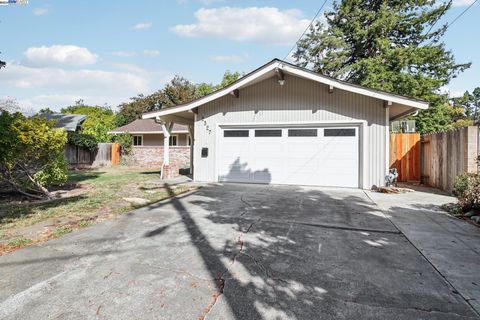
(78, 156)
(435, 159)
(405, 155)
(445, 155)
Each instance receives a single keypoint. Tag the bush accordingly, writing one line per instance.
(31, 154)
(467, 189)
(83, 140)
(125, 142)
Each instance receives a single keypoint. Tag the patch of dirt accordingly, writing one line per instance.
(60, 192)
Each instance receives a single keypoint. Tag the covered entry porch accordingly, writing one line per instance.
(170, 170)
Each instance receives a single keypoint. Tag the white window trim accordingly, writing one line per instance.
(133, 138)
(173, 145)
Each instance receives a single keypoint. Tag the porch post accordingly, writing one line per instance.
(166, 129)
(190, 134)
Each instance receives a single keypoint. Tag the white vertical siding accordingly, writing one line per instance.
(297, 100)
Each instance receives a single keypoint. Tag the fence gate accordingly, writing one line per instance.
(405, 155)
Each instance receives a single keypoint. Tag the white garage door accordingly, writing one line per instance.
(304, 156)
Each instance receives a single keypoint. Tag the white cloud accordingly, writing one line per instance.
(265, 25)
(40, 11)
(59, 55)
(124, 53)
(151, 53)
(58, 101)
(142, 26)
(232, 58)
(462, 3)
(25, 77)
(55, 87)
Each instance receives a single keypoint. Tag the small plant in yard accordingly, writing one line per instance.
(125, 142)
(62, 230)
(467, 189)
(19, 242)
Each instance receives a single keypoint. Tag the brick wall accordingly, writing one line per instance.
(153, 156)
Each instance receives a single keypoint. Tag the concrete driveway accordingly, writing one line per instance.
(233, 252)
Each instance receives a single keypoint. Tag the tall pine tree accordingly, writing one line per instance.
(391, 45)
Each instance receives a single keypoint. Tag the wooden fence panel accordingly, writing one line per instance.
(103, 156)
(405, 155)
(447, 154)
(115, 154)
(78, 156)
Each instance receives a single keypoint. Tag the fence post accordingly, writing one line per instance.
(115, 154)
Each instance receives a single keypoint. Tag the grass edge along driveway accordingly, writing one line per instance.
(89, 196)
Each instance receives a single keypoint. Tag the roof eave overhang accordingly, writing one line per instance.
(289, 69)
(146, 132)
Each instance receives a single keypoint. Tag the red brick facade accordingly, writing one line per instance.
(153, 156)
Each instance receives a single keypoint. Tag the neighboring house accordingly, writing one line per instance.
(69, 122)
(148, 141)
(283, 124)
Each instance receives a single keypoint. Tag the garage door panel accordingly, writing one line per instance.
(308, 160)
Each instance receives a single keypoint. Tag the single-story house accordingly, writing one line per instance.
(148, 141)
(283, 124)
(69, 122)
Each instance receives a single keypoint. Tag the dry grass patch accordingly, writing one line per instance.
(90, 196)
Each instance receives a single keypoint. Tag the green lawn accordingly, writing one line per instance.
(92, 196)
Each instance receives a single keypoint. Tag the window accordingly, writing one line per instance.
(339, 132)
(137, 140)
(189, 141)
(268, 133)
(235, 133)
(302, 132)
(173, 141)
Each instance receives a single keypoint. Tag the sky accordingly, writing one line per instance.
(106, 52)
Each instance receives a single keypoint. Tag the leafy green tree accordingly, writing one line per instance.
(83, 140)
(470, 103)
(10, 105)
(179, 90)
(99, 120)
(205, 88)
(125, 141)
(129, 111)
(46, 110)
(388, 45)
(229, 78)
(31, 154)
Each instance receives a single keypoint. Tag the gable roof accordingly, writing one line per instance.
(267, 71)
(69, 122)
(146, 126)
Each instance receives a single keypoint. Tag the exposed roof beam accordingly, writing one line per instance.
(280, 74)
(176, 119)
(330, 89)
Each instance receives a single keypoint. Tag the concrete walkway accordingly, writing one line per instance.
(451, 245)
(235, 252)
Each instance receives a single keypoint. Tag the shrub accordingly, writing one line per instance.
(467, 189)
(83, 140)
(125, 142)
(31, 154)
